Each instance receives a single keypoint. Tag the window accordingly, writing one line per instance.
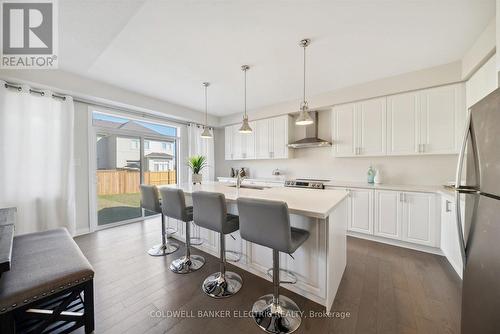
(120, 167)
(134, 144)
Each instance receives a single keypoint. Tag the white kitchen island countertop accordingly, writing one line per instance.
(314, 203)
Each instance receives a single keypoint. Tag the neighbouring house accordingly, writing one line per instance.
(119, 152)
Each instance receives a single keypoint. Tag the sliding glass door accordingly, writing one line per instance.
(129, 153)
(118, 175)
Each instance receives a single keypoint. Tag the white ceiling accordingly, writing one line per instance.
(166, 49)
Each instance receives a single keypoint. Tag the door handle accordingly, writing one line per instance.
(459, 189)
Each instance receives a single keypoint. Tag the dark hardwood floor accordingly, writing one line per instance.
(385, 289)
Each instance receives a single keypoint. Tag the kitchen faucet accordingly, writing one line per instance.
(239, 179)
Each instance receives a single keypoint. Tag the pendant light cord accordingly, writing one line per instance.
(245, 93)
(304, 90)
(206, 108)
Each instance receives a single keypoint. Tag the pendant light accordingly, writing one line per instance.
(206, 130)
(304, 117)
(245, 127)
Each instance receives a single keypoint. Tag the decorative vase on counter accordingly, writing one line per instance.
(197, 178)
(378, 177)
(371, 175)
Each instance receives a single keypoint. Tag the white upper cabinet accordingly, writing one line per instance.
(237, 146)
(228, 142)
(269, 140)
(402, 125)
(281, 135)
(441, 118)
(359, 128)
(428, 121)
(371, 127)
(248, 142)
(263, 138)
(343, 130)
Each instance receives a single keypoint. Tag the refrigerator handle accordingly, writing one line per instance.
(458, 183)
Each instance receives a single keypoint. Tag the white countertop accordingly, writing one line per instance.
(439, 189)
(382, 186)
(314, 203)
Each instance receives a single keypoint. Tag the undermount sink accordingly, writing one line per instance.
(248, 186)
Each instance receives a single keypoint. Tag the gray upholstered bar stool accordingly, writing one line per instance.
(267, 223)
(150, 200)
(174, 206)
(210, 212)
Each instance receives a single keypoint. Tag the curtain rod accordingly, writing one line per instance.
(18, 87)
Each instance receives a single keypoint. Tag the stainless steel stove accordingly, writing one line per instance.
(306, 183)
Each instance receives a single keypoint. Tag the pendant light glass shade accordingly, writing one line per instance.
(206, 130)
(206, 133)
(245, 126)
(304, 117)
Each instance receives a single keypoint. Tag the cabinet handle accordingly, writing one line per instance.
(423, 148)
(401, 197)
(448, 206)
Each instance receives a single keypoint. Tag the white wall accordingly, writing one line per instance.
(88, 89)
(319, 162)
(430, 77)
(81, 168)
(482, 82)
(479, 52)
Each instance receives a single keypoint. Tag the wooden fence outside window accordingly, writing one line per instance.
(115, 181)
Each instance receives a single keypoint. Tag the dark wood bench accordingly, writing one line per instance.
(49, 287)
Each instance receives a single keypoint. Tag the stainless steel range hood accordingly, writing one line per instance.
(311, 137)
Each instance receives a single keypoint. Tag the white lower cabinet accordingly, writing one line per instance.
(405, 216)
(388, 214)
(360, 210)
(420, 219)
(450, 244)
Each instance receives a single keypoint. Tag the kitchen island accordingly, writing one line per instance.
(318, 264)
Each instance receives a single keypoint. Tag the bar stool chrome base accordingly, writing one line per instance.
(185, 265)
(162, 250)
(281, 318)
(217, 286)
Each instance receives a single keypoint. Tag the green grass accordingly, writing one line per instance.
(109, 201)
(114, 208)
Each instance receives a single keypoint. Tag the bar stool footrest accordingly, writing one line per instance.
(290, 273)
(236, 254)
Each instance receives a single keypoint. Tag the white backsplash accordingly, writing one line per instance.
(319, 162)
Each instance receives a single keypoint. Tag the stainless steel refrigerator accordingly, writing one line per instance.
(478, 186)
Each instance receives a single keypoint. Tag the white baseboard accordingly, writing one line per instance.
(398, 243)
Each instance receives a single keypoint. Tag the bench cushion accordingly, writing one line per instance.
(43, 263)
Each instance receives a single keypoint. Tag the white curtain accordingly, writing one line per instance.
(36, 159)
(201, 146)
